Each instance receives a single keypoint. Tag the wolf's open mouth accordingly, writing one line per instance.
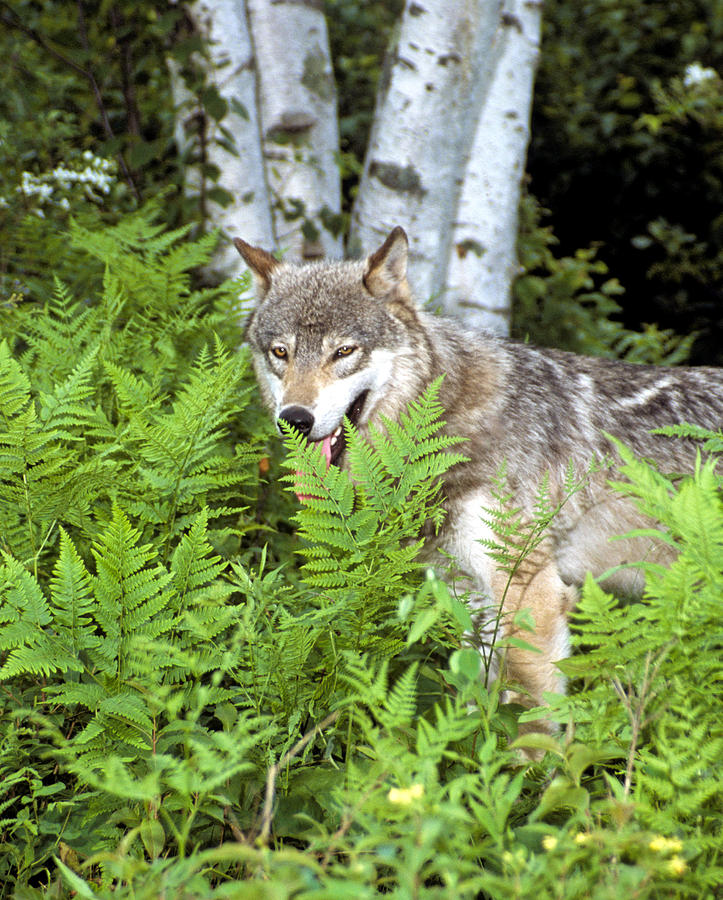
(334, 444)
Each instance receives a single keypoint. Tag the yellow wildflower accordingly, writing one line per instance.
(405, 796)
(661, 844)
(549, 842)
(676, 865)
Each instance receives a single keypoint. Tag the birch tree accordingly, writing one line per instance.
(423, 125)
(297, 100)
(447, 151)
(445, 156)
(231, 144)
(482, 262)
(271, 149)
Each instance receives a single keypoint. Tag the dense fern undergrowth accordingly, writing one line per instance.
(208, 691)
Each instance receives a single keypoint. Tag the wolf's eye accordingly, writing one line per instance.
(346, 350)
(279, 351)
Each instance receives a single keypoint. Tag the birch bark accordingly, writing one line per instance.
(445, 157)
(423, 126)
(483, 258)
(231, 145)
(297, 107)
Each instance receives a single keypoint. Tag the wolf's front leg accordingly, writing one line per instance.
(540, 590)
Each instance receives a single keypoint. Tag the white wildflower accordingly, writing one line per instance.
(97, 177)
(696, 74)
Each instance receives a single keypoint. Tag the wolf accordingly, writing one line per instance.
(346, 339)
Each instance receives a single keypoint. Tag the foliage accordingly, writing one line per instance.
(187, 713)
(94, 71)
(567, 302)
(625, 153)
(662, 659)
(86, 120)
(626, 150)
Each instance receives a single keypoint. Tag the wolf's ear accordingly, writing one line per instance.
(387, 266)
(261, 263)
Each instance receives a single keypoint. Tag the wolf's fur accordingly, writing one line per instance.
(324, 333)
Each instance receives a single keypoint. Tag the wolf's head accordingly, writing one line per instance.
(331, 340)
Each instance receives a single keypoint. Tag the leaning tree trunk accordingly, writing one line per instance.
(447, 148)
(225, 140)
(483, 258)
(297, 101)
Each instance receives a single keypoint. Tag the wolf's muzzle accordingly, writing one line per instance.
(298, 417)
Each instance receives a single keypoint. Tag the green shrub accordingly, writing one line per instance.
(190, 712)
(568, 302)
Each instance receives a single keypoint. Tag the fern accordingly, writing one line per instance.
(62, 322)
(178, 449)
(188, 712)
(25, 614)
(392, 491)
(72, 604)
(663, 656)
(712, 440)
(130, 595)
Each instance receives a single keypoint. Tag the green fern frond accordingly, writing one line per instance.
(452, 722)
(194, 569)
(72, 601)
(130, 593)
(680, 773)
(24, 617)
(66, 406)
(133, 392)
(369, 687)
(14, 387)
(87, 694)
(712, 440)
(401, 700)
(64, 323)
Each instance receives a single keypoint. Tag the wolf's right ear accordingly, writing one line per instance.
(387, 266)
(261, 263)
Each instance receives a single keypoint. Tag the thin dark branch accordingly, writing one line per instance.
(126, 64)
(83, 31)
(14, 21)
(273, 773)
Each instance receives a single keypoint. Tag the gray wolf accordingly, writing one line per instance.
(335, 339)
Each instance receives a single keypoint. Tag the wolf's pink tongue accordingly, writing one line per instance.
(325, 445)
(326, 449)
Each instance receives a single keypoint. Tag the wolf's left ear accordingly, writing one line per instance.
(387, 266)
(261, 263)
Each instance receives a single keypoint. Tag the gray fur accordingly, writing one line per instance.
(537, 409)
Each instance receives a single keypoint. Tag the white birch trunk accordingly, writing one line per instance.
(483, 257)
(297, 100)
(423, 128)
(232, 145)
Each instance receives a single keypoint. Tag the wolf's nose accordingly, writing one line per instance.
(298, 417)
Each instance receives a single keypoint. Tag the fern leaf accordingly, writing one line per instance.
(14, 386)
(130, 592)
(400, 703)
(72, 601)
(24, 617)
